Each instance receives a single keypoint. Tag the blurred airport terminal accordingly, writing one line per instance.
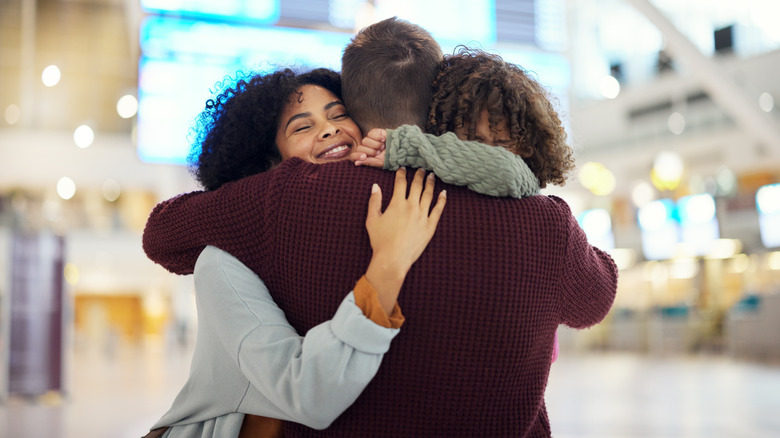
(672, 106)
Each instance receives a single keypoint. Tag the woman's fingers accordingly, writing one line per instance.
(417, 185)
(433, 218)
(399, 189)
(427, 195)
(374, 204)
(420, 195)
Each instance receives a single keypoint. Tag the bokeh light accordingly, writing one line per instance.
(111, 190)
(51, 76)
(66, 188)
(127, 106)
(642, 193)
(768, 199)
(597, 178)
(654, 215)
(83, 136)
(667, 171)
(697, 209)
(609, 87)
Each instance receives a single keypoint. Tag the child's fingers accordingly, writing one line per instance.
(365, 150)
(373, 162)
(357, 157)
(369, 144)
(378, 134)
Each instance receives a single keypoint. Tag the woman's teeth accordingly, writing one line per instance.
(337, 151)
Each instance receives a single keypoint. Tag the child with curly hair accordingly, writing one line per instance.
(477, 96)
(480, 97)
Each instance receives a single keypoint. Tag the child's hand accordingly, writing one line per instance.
(371, 151)
(400, 234)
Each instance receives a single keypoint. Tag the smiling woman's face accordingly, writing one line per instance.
(316, 127)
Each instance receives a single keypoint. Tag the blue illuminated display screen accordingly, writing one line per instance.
(182, 60)
(660, 229)
(256, 11)
(664, 224)
(449, 21)
(698, 222)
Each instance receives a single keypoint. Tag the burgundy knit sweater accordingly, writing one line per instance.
(481, 304)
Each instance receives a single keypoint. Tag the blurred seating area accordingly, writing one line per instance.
(685, 306)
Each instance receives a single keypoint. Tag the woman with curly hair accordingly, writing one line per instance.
(237, 132)
(262, 366)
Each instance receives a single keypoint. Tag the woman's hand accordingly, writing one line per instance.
(371, 151)
(400, 234)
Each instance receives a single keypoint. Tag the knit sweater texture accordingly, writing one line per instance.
(490, 170)
(482, 303)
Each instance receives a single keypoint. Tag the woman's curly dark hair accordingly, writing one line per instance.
(471, 80)
(236, 132)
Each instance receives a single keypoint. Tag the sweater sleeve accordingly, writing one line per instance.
(488, 170)
(367, 299)
(588, 277)
(178, 229)
(308, 379)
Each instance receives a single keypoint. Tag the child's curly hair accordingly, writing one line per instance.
(472, 80)
(235, 135)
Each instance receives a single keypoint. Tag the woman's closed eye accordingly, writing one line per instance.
(339, 115)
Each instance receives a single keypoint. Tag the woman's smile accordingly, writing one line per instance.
(337, 151)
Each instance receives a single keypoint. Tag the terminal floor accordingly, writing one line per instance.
(121, 392)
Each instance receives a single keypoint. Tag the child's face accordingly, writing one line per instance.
(316, 127)
(498, 137)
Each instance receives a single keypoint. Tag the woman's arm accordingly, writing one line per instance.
(489, 170)
(179, 228)
(308, 379)
(313, 379)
